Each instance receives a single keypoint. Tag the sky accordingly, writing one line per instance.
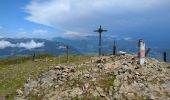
(149, 19)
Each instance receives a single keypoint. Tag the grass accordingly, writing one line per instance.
(107, 81)
(21, 59)
(15, 71)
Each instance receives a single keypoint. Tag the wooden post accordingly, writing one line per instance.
(33, 58)
(67, 53)
(114, 48)
(59, 59)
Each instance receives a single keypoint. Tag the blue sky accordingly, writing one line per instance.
(52, 18)
(14, 24)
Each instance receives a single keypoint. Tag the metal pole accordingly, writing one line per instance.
(165, 56)
(100, 31)
(100, 44)
(147, 52)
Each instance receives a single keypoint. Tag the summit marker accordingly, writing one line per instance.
(100, 31)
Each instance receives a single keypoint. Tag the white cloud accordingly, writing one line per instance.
(75, 35)
(39, 31)
(28, 45)
(127, 38)
(22, 34)
(4, 44)
(73, 15)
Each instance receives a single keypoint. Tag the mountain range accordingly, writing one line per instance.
(89, 45)
(10, 47)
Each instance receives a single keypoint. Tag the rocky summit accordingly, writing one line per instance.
(118, 77)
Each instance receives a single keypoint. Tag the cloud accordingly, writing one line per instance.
(74, 14)
(75, 35)
(22, 34)
(1, 36)
(1, 27)
(28, 45)
(39, 31)
(5, 44)
(36, 33)
(127, 38)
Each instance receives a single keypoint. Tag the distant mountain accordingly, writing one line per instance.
(10, 47)
(89, 45)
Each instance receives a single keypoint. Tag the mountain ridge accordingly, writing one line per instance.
(11, 47)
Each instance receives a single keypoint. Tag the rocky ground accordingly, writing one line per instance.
(106, 78)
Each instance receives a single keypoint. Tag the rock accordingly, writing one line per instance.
(100, 91)
(94, 69)
(100, 66)
(108, 66)
(168, 67)
(60, 82)
(65, 74)
(152, 97)
(111, 91)
(86, 85)
(72, 70)
(19, 92)
(56, 86)
(117, 83)
(26, 89)
(130, 95)
(94, 79)
(35, 91)
(66, 70)
(86, 75)
(94, 93)
(99, 61)
(35, 60)
(56, 67)
(76, 92)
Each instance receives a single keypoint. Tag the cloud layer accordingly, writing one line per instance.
(28, 45)
(125, 18)
(1, 27)
(75, 35)
(73, 15)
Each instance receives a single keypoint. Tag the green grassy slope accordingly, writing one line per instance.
(15, 71)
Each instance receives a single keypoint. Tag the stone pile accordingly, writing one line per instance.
(116, 77)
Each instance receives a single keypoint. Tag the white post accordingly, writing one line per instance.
(141, 53)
